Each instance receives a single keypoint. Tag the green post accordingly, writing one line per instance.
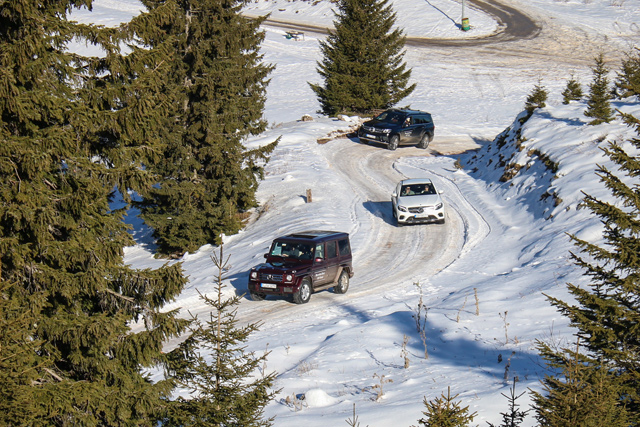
(465, 21)
(465, 24)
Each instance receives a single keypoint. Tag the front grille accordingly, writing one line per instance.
(269, 277)
(370, 129)
(416, 210)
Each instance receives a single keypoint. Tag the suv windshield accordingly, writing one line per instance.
(390, 117)
(292, 250)
(417, 190)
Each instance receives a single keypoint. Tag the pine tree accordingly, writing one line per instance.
(607, 311)
(218, 82)
(19, 363)
(573, 91)
(584, 394)
(536, 99)
(515, 416)
(628, 81)
(362, 63)
(599, 99)
(228, 386)
(444, 412)
(75, 359)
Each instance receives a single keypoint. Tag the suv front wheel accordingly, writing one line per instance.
(304, 292)
(256, 296)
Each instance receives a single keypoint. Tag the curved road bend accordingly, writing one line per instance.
(513, 25)
(519, 37)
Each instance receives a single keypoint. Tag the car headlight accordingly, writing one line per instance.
(402, 208)
(385, 131)
(254, 275)
(439, 206)
(288, 277)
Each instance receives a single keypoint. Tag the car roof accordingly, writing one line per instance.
(409, 111)
(416, 181)
(315, 235)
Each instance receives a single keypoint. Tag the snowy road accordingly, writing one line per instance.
(384, 254)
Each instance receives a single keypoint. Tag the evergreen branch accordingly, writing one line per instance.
(53, 374)
(129, 299)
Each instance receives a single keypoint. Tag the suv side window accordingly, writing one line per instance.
(331, 250)
(320, 250)
(344, 247)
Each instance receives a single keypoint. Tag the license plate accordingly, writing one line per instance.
(268, 285)
(371, 136)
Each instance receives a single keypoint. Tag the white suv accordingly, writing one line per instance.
(417, 200)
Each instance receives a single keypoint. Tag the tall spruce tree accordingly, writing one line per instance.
(226, 384)
(573, 91)
(74, 358)
(362, 63)
(628, 82)
(607, 311)
(206, 177)
(599, 98)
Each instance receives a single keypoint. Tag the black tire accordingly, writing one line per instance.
(256, 296)
(343, 283)
(424, 141)
(393, 142)
(304, 292)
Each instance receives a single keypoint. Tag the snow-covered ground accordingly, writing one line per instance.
(482, 275)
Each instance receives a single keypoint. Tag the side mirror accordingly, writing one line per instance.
(266, 255)
(394, 194)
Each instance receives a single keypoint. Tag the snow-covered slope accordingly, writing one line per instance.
(481, 276)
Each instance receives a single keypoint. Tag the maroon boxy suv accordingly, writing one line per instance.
(300, 264)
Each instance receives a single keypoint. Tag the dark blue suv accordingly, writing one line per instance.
(397, 127)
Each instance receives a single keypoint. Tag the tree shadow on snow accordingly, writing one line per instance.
(442, 12)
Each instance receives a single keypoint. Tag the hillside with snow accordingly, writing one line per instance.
(512, 190)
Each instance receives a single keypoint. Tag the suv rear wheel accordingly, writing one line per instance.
(393, 142)
(425, 140)
(343, 283)
(304, 292)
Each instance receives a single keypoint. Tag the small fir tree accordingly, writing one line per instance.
(228, 386)
(515, 416)
(444, 412)
(599, 98)
(628, 82)
(607, 311)
(536, 99)
(362, 64)
(217, 86)
(585, 394)
(573, 91)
